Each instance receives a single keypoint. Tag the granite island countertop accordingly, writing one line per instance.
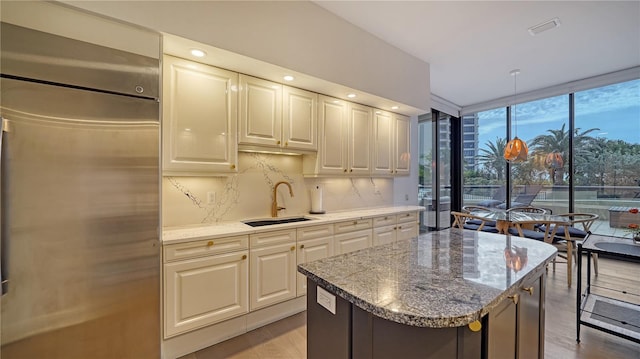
(440, 279)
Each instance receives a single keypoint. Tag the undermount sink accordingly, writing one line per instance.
(268, 222)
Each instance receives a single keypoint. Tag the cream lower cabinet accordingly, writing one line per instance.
(273, 268)
(206, 290)
(314, 243)
(391, 228)
(353, 235)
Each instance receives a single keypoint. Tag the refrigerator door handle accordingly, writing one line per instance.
(3, 259)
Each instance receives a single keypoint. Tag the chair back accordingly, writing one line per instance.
(530, 209)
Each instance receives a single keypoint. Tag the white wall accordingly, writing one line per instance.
(297, 35)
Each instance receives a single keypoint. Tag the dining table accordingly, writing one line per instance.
(532, 225)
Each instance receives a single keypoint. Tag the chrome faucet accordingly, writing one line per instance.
(274, 203)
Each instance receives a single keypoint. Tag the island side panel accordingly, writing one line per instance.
(328, 334)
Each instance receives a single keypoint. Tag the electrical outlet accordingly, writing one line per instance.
(211, 198)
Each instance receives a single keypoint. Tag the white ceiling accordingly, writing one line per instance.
(473, 45)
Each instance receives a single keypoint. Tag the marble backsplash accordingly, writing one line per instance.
(248, 194)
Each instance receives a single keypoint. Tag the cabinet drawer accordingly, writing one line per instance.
(384, 220)
(408, 217)
(315, 232)
(354, 225)
(204, 247)
(269, 238)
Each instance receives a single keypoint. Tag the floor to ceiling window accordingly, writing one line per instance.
(584, 155)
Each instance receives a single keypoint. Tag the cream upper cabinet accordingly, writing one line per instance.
(199, 110)
(402, 147)
(391, 144)
(299, 119)
(332, 137)
(273, 115)
(359, 140)
(383, 142)
(344, 136)
(260, 112)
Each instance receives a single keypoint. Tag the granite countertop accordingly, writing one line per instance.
(440, 279)
(180, 234)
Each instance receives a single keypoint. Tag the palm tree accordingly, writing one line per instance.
(492, 158)
(557, 141)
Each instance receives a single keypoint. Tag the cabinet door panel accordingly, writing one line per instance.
(273, 275)
(299, 122)
(501, 336)
(384, 235)
(260, 112)
(406, 230)
(312, 250)
(199, 114)
(402, 148)
(204, 291)
(383, 143)
(332, 151)
(353, 241)
(359, 139)
(530, 322)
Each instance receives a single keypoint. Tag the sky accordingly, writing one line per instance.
(614, 110)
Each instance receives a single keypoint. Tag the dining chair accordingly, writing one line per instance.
(565, 237)
(530, 209)
(489, 225)
(465, 220)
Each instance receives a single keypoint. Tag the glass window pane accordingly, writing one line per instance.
(607, 155)
(542, 180)
(484, 166)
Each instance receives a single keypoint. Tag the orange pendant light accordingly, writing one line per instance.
(516, 150)
(554, 160)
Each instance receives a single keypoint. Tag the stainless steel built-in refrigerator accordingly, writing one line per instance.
(80, 199)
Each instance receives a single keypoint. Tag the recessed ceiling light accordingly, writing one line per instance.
(394, 107)
(288, 78)
(351, 95)
(198, 53)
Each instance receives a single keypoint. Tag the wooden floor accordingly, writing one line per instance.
(287, 338)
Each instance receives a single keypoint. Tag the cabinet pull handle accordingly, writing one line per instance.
(293, 248)
(209, 244)
(528, 289)
(233, 167)
(515, 298)
(302, 246)
(244, 256)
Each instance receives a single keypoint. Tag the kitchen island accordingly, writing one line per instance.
(447, 294)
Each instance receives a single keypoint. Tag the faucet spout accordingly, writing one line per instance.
(274, 202)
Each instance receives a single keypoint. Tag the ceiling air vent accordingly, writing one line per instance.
(547, 25)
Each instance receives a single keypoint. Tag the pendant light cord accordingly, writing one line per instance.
(515, 92)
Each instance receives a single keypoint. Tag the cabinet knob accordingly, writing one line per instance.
(244, 256)
(351, 170)
(355, 222)
(515, 298)
(293, 248)
(394, 228)
(399, 227)
(278, 142)
(209, 244)
(528, 290)
(386, 218)
(475, 326)
(391, 171)
(233, 167)
(286, 144)
(302, 246)
(345, 170)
